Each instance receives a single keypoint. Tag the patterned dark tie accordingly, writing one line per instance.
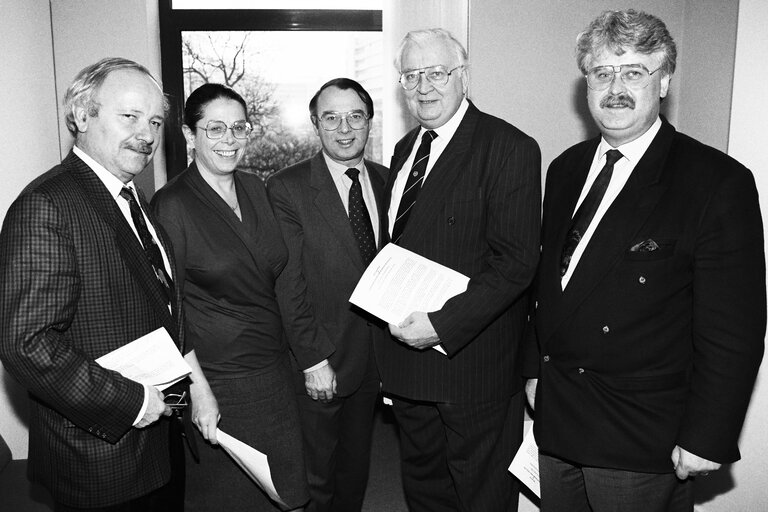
(587, 210)
(151, 250)
(359, 218)
(413, 184)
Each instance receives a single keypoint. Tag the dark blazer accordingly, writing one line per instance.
(76, 285)
(227, 269)
(648, 349)
(324, 266)
(478, 213)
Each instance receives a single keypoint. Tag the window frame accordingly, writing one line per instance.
(175, 21)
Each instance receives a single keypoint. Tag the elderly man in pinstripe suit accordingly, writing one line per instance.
(464, 190)
(81, 267)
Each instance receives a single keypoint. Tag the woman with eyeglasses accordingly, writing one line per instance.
(230, 253)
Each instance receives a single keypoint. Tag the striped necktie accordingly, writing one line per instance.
(413, 184)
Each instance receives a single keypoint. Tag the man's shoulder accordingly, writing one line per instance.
(696, 151)
(378, 168)
(296, 172)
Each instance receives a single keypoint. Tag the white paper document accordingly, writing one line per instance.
(252, 461)
(399, 282)
(153, 359)
(525, 465)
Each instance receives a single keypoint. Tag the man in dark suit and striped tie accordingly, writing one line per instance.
(464, 191)
(84, 271)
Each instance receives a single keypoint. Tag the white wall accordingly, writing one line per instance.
(747, 143)
(29, 109)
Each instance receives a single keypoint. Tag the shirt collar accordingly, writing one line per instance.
(113, 184)
(445, 132)
(338, 170)
(634, 150)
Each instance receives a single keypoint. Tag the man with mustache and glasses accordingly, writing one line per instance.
(85, 270)
(650, 296)
(328, 208)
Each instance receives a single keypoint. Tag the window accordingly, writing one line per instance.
(276, 59)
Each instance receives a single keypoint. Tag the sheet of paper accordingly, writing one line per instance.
(252, 461)
(153, 359)
(525, 465)
(399, 282)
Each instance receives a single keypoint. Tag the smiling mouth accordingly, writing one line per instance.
(345, 142)
(226, 154)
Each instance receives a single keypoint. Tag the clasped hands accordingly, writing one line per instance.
(416, 331)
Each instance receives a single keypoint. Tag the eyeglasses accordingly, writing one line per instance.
(175, 401)
(436, 75)
(634, 76)
(218, 129)
(356, 119)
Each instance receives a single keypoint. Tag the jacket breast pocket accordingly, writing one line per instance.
(651, 250)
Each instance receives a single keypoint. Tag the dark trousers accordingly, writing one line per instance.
(568, 487)
(454, 457)
(168, 498)
(337, 447)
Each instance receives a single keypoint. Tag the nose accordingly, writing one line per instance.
(145, 132)
(424, 85)
(617, 84)
(344, 125)
(229, 135)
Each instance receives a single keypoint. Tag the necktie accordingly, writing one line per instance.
(587, 210)
(360, 219)
(151, 250)
(413, 184)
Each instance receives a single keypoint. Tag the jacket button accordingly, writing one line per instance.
(581, 370)
(451, 221)
(641, 280)
(606, 329)
(546, 359)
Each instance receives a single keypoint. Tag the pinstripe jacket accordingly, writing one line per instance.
(76, 285)
(478, 213)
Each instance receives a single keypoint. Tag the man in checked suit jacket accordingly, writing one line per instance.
(336, 379)
(650, 337)
(477, 212)
(76, 284)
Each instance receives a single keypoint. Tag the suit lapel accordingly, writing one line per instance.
(330, 207)
(377, 184)
(128, 244)
(620, 225)
(437, 188)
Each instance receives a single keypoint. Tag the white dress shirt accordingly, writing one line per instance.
(444, 135)
(344, 183)
(631, 152)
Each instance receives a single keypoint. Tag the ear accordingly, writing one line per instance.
(188, 135)
(465, 80)
(664, 83)
(315, 122)
(80, 114)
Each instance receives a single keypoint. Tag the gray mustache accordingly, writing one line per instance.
(619, 100)
(141, 148)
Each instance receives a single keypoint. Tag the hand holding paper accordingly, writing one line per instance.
(416, 331)
(399, 282)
